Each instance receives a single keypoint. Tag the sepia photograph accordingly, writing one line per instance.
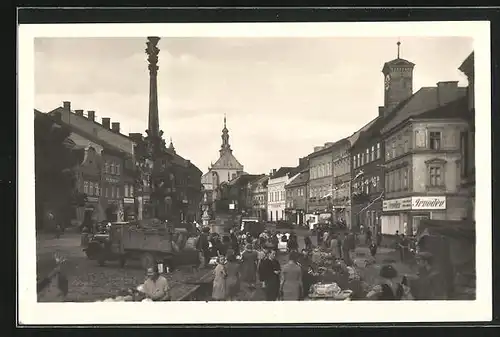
(210, 170)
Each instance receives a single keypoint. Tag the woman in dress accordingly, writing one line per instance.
(233, 276)
(220, 275)
(249, 260)
(291, 279)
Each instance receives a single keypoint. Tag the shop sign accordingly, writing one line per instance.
(428, 203)
(92, 199)
(414, 203)
(397, 204)
(128, 200)
(324, 216)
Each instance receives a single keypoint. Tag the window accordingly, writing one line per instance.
(397, 180)
(360, 162)
(270, 196)
(373, 153)
(405, 178)
(362, 159)
(464, 154)
(406, 146)
(96, 189)
(131, 191)
(125, 193)
(106, 167)
(112, 171)
(387, 183)
(354, 162)
(393, 152)
(378, 150)
(86, 187)
(106, 191)
(367, 155)
(391, 182)
(118, 192)
(435, 140)
(377, 183)
(435, 176)
(117, 169)
(91, 188)
(112, 191)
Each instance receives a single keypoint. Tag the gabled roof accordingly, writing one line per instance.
(281, 172)
(355, 136)
(244, 179)
(423, 100)
(299, 180)
(227, 161)
(262, 180)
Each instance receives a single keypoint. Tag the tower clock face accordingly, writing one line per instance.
(387, 81)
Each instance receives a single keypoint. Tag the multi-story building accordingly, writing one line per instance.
(341, 186)
(239, 192)
(422, 159)
(296, 198)
(467, 141)
(259, 197)
(320, 184)
(276, 200)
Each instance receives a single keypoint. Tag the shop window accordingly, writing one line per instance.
(416, 223)
(86, 187)
(435, 140)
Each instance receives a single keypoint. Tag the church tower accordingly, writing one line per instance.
(398, 81)
(225, 147)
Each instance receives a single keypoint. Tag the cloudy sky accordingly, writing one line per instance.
(282, 96)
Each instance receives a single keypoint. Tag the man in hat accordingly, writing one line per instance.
(156, 286)
(430, 285)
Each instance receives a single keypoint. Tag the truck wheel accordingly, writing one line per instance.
(147, 260)
(123, 261)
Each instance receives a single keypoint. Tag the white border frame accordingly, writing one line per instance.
(31, 312)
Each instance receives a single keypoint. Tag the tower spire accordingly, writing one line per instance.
(225, 147)
(224, 120)
(399, 46)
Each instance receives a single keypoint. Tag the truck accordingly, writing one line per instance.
(149, 241)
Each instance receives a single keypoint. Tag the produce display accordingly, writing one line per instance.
(324, 290)
(128, 295)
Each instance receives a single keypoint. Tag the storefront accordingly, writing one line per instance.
(405, 214)
(129, 209)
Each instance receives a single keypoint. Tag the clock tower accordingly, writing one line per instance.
(398, 81)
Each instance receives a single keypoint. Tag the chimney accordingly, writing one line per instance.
(135, 136)
(329, 144)
(274, 171)
(67, 105)
(106, 121)
(91, 115)
(318, 148)
(79, 112)
(115, 127)
(381, 110)
(447, 92)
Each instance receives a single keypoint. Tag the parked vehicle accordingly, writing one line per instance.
(252, 226)
(150, 241)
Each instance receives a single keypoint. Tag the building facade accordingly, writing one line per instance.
(341, 190)
(422, 160)
(276, 199)
(467, 141)
(296, 198)
(259, 198)
(320, 184)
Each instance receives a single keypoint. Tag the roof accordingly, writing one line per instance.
(423, 100)
(244, 179)
(299, 180)
(328, 148)
(398, 62)
(355, 136)
(281, 172)
(262, 180)
(468, 63)
(454, 109)
(227, 160)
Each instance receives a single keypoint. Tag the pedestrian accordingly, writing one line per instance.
(431, 283)
(403, 245)
(325, 240)
(203, 247)
(305, 264)
(373, 248)
(156, 286)
(233, 276)
(233, 244)
(368, 236)
(292, 243)
(249, 260)
(219, 284)
(269, 275)
(389, 289)
(319, 236)
(334, 247)
(307, 243)
(291, 287)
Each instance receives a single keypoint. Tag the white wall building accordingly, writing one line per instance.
(276, 199)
